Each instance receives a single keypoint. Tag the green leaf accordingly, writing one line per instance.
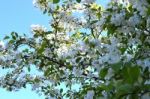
(148, 11)
(103, 73)
(123, 89)
(146, 87)
(14, 35)
(99, 15)
(11, 41)
(111, 29)
(116, 67)
(122, 50)
(78, 59)
(78, 1)
(61, 90)
(42, 48)
(29, 69)
(26, 50)
(131, 74)
(86, 40)
(55, 1)
(148, 1)
(105, 87)
(47, 72)
(51, 94)
(6, 37)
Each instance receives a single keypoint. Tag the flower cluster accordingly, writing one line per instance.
(37, 29)
(105, 51)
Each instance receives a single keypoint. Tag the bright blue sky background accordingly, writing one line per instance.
(18, 15)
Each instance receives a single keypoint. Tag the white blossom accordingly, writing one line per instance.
(50, 36)
(34, 2)
(11, 81)
(113, 58)
(140, 5)
(78, 8)
(42, 4)
(62, 50)
(2, 46)
(144, 63)
(95, 63)
(89, 95)
(77, 71)
(36, 28)
(147, 62)
(35, 86)
(115, 17)
(145, 96)
(134, 20)
(88, 1)
(133, 42)
(128, 57)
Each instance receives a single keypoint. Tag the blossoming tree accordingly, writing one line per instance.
(102, 51)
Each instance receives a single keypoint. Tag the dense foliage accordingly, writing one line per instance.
(89, 51)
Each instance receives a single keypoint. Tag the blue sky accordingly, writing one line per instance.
(18, 15)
